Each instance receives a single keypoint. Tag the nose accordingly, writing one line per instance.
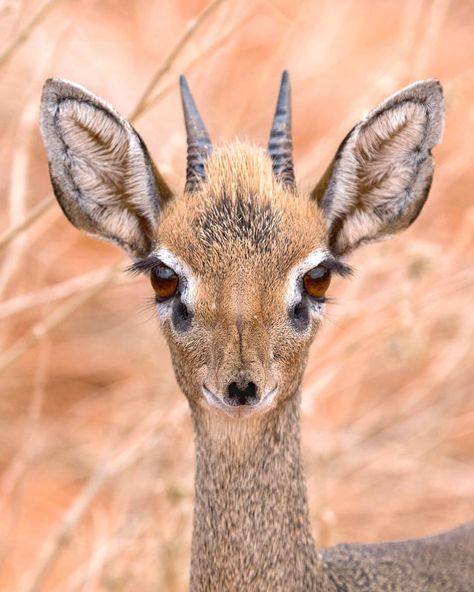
(241, 393)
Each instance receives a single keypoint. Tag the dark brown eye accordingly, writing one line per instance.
(316, 281)
(164, 281)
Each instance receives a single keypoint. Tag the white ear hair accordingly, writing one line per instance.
(380, 177)
(100, 169)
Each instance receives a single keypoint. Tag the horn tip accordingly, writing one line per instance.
(183, 83)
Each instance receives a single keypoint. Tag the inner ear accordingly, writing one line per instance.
(380, 177)
(100, 169)
(103, 170)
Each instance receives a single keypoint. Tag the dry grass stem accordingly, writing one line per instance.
(140, 442)
(53, 293)
(10, 234)
(191, 29)
(144, 103)
(96, 454)
(25, 33)
(217, 44)
(43, 327)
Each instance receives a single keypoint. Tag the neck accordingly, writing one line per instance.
(251, 526)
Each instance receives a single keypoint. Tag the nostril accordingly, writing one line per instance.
(241, 394)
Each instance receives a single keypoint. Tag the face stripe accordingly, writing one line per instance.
(188, 282)
(316, 258)
(293, 294)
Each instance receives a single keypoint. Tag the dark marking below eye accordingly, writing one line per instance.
(181, 316)
(300, 314)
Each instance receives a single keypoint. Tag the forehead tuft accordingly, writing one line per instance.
(243, 218)
(239, 166)
(241, 211)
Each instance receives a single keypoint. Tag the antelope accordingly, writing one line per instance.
(240, 263)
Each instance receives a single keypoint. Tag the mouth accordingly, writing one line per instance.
(240, 411)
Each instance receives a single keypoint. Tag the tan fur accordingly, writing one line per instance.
(236, 280)
(241, 243)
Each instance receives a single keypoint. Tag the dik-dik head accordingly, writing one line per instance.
(241, 261)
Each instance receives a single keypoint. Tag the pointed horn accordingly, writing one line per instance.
(199, 143)
(280, 145)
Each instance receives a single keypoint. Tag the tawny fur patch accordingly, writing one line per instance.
(241, 214)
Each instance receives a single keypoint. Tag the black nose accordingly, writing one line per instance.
(241, 393)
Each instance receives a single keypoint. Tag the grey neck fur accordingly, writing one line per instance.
(251, 526)
(251, 522)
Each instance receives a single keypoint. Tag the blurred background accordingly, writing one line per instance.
(96, 450)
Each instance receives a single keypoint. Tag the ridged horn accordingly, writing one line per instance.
(280, 144)
(199, 142)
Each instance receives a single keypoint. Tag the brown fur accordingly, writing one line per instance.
(239, 240)
(242, 270)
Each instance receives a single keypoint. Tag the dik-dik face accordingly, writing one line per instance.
(241, 262)
(248, 265)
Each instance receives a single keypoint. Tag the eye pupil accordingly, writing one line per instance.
(164, 281)
(316, 281)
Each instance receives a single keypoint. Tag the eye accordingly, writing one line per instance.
(164, 281)
(316, 281)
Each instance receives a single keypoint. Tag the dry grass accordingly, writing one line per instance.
(95, 446)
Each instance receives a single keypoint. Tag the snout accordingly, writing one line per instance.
(241, 399)
(240, 377)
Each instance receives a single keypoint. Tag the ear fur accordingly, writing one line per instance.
(100, 169)
(380, 177)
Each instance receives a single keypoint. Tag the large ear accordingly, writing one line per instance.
(382, 171)
(100, 170)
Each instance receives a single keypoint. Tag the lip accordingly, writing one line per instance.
(240, 411)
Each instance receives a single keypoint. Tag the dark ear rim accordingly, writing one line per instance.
(67, 90)
(55, 92)
(429, 93)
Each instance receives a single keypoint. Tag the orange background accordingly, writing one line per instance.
(96, 452)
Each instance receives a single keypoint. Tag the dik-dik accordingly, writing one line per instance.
(240, 264)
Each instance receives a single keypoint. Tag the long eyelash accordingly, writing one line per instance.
(331, 317)
(150, 304)
(338, 267)
(143, 265)
(326, 300)
(148, 309)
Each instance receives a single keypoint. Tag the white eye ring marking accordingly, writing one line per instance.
(293, 294)
(188, 286)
